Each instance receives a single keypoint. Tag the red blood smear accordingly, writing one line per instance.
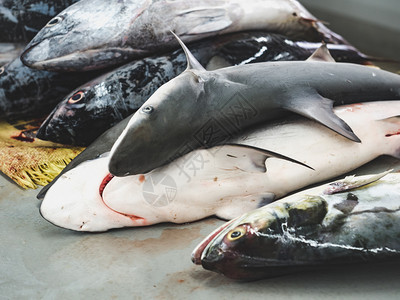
(23, 138)
(391, 134)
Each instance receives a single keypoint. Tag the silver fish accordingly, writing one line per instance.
(355, 220)
(92, 35)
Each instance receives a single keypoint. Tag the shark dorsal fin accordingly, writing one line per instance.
(321, 54)
(192, 62)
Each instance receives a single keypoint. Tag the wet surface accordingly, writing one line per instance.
(42, 261)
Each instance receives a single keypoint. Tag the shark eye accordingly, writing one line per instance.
(54, 21)
(2, 70)
(78, 96)
(148, 109)
(236, 233)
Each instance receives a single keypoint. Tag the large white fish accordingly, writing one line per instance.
(224, 181)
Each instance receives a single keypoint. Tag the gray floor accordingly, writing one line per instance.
(41, 261)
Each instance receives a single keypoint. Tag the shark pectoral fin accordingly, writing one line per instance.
(321, 54)
(314, 106)
(246, 158)
(236, 206)
(203, 20)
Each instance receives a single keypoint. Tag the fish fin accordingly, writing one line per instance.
(204, 20)
(321, 54)
(192, 62)
(240, 204)
(318, 108)
(246, 158)
(352, 182)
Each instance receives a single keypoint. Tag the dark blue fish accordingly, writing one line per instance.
(25, 92)
(20, 20)
(96, 106)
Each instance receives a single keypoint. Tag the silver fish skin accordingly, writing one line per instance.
(224, 180)
(89, 35)
(229, 100)
(357, 223)
(20, 20)
(94, 107)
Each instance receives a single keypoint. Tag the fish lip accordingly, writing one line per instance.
(199, 252)
(82, 60)
(23, 56)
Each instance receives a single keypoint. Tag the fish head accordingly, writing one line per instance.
(83, 114)
(77, 41)
(232, 249)
(260, 243)
(160, 128)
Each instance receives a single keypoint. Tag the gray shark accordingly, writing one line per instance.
(201, 109)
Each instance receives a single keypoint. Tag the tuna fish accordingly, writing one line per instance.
(94, 107)
(202, 108)
(20, 20)
(224, 180)
(356, 220)
(92, 35)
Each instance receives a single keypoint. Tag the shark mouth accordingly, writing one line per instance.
(102, 186)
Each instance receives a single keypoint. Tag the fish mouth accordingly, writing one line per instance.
(106, 180)
(198, 253)
(39, 56)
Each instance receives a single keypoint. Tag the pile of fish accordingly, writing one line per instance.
(267, 101)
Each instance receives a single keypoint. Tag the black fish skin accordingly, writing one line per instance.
(20, 20)
(301, 241)
(26, 92)
(112, 97)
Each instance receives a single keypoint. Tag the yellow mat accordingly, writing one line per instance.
(29, 161)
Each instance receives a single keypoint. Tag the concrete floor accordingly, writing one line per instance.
(41, 261)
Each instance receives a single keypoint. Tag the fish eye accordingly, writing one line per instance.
(2, 69)
(148, 109)
(236, 233)
(78, 96)
(54, 21)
